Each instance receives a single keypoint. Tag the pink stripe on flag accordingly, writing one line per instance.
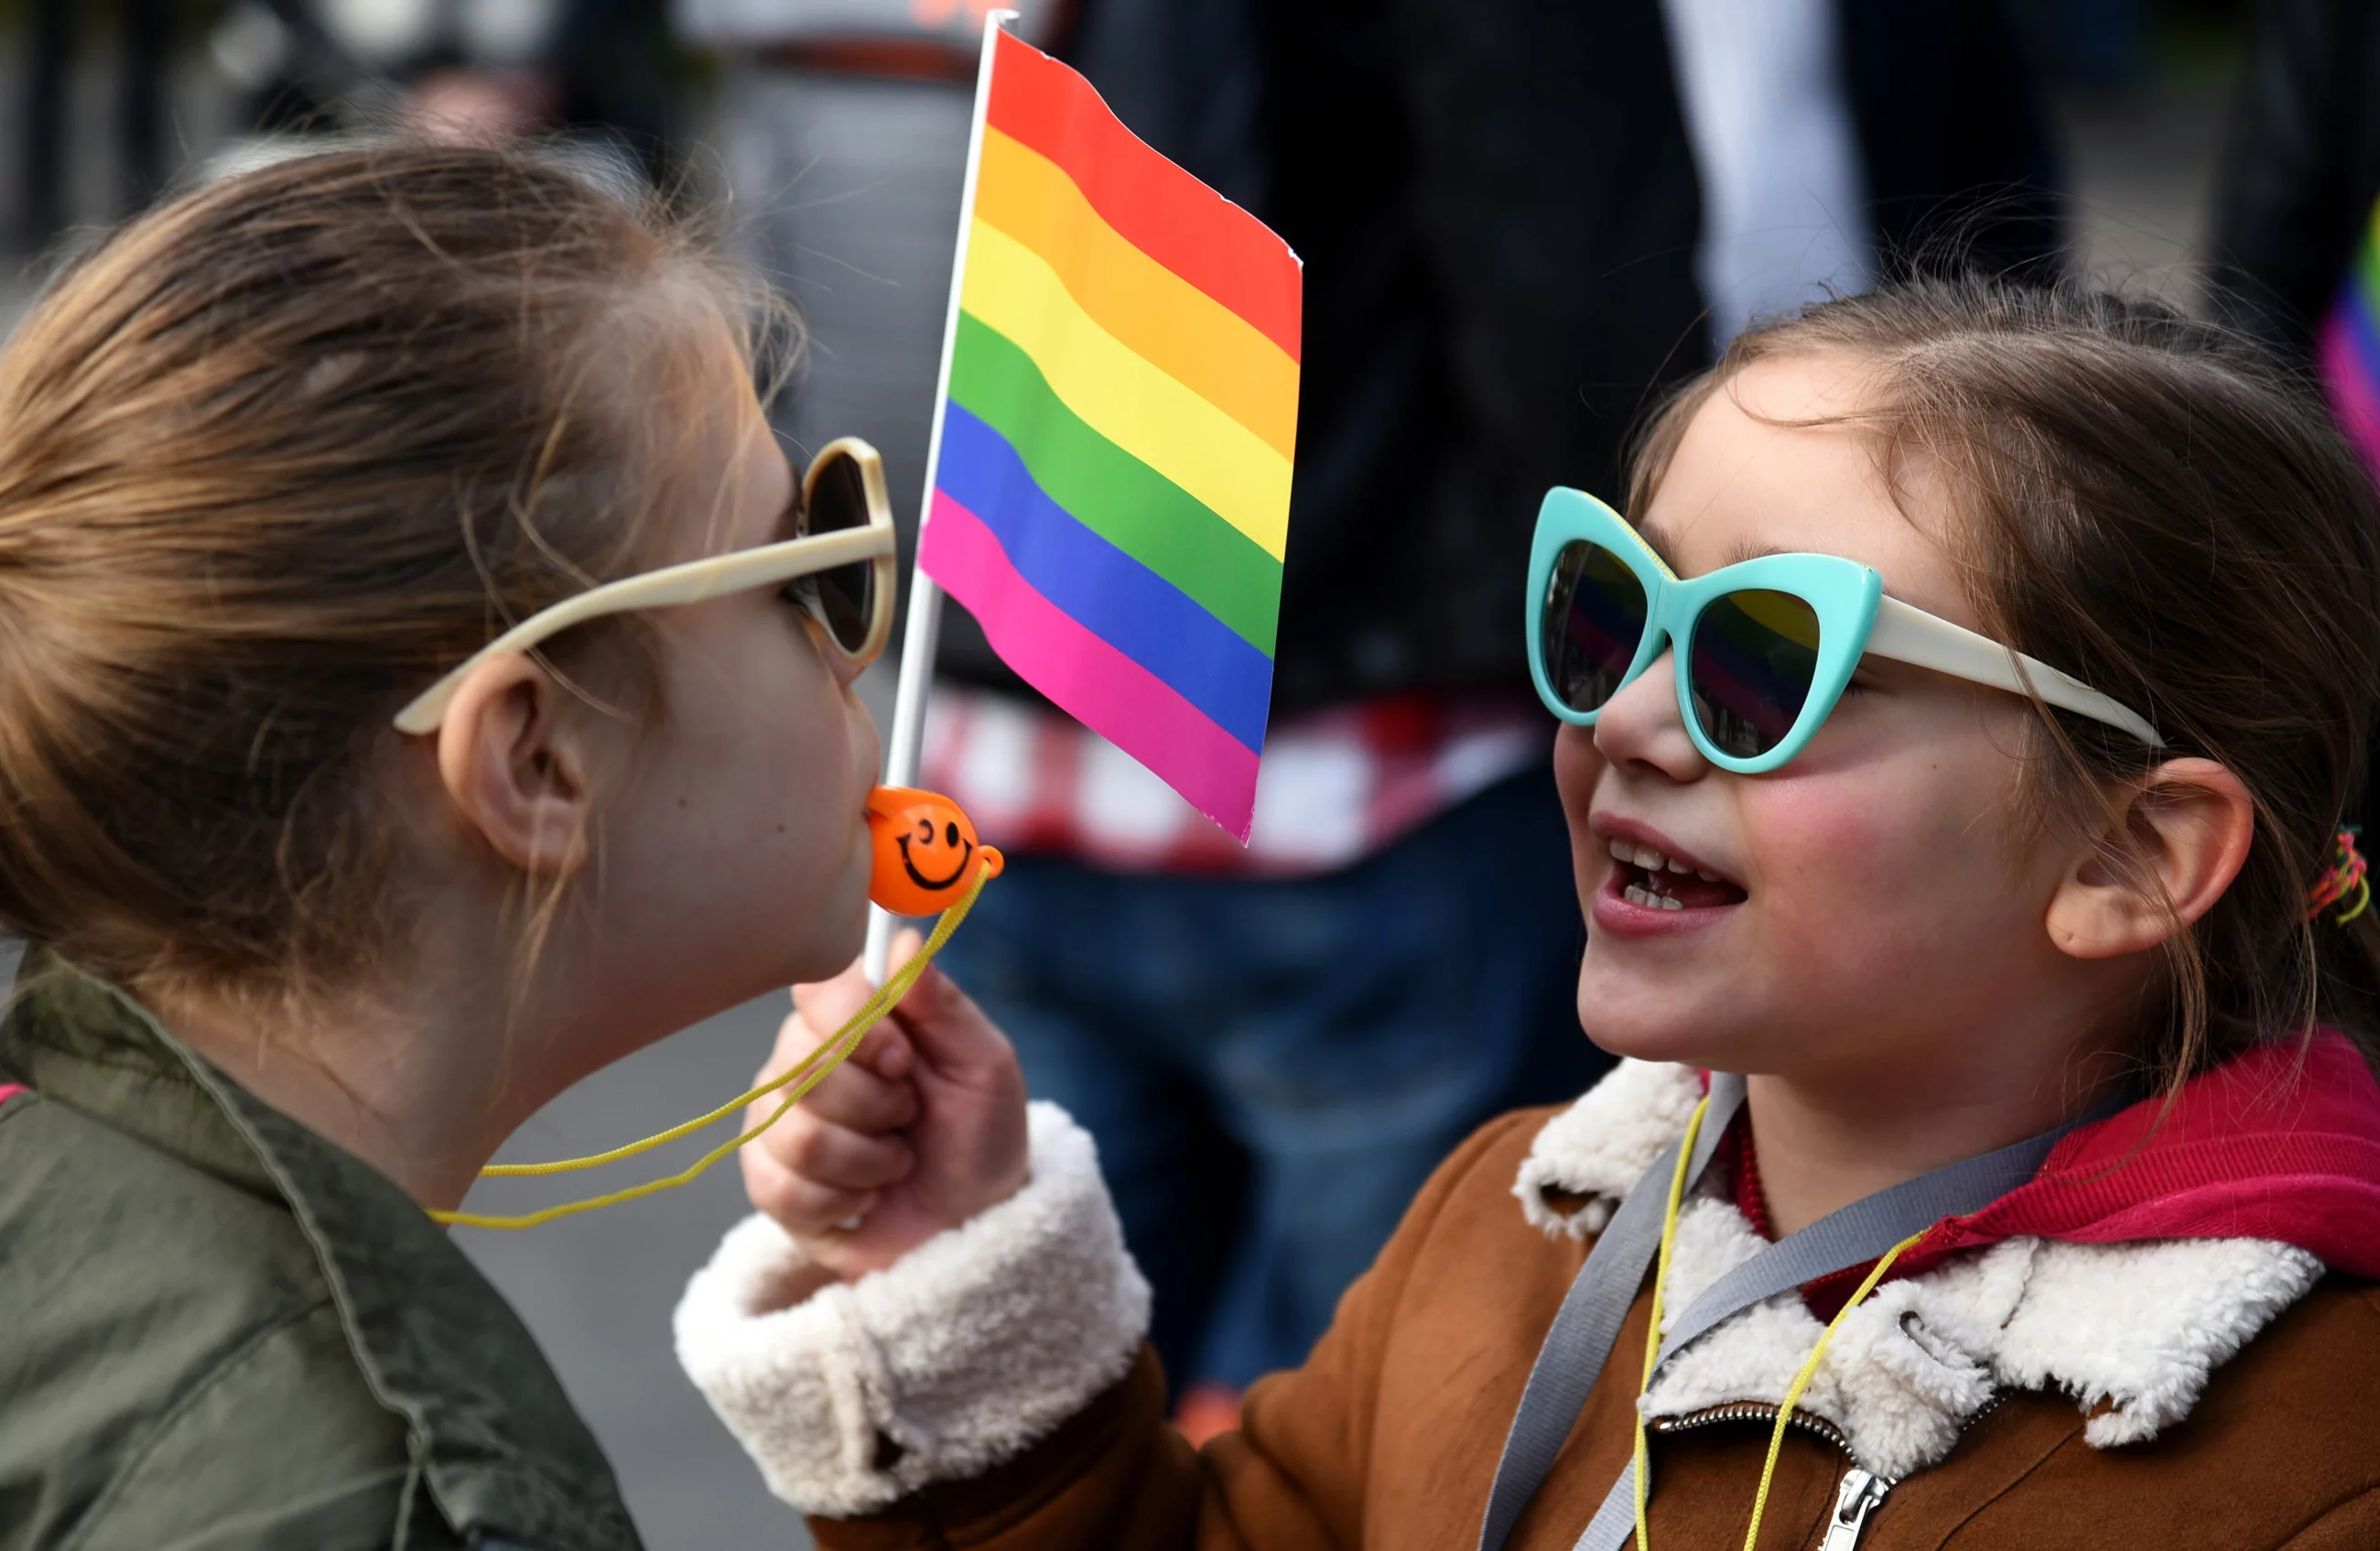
(1087, 678)
(2353, 394)
(10, 1090)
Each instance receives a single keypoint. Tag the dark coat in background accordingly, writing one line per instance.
(1498, 214)
(2301, 170)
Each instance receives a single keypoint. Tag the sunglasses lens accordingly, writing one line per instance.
(847, 595)
(1753, 658)
(1592, 621)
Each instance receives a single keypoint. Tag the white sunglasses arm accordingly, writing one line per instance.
(690, 582)
(1908, 634)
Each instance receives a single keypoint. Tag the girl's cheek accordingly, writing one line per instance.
(1836, 863)
(1577, 768)
(1880, 884)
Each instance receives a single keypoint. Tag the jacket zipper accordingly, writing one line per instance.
(1753, 1411)
(1855, 1500)
(1860, 1493)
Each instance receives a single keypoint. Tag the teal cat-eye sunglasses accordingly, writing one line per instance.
(1765, 646)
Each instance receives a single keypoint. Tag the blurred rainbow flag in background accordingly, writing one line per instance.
(1111, 465)
(2349, 348)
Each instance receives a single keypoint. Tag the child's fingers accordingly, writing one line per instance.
(823, 1009)
(835, 1157)
(803, 1207)
(862, 1100)
(857, 1099)
(885, 1053)
(904, 948)
(829, 1004)
(951, 1035)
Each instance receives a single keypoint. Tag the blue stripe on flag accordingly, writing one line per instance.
(1109, 592)
(2356, 307)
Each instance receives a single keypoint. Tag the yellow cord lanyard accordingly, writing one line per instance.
(1640, 1238)
(1793, 1391)
(805, 1075)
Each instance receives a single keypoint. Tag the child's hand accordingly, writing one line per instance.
(923, 1128)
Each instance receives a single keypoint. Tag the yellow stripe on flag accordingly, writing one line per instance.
(1166, 320)
(1121, 395)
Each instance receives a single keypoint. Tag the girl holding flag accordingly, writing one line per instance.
(1955, 739)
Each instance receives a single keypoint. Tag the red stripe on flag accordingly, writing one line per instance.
(1087, 678)
(1154, 205)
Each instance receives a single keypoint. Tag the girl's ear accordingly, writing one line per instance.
(514, 770)
(2190, 821)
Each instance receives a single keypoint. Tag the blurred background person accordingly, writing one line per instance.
(2298, 202)
(841, 129)
(2295, 243)
(598, 75)
(139, 43)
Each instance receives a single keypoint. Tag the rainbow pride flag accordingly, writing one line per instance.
(2348, 348)
(1110, 481)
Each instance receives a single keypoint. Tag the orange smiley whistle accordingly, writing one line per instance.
(926, 851)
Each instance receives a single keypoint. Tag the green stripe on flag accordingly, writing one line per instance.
(1112, 493)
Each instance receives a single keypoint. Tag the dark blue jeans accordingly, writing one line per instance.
(1271, 1068)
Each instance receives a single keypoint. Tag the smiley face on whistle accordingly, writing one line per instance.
(926, 851)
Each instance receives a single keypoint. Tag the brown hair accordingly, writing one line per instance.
(273, 457)
(2168, 514)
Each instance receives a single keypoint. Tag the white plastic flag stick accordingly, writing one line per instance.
(925, 625)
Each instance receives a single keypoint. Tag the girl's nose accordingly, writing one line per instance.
(1640, 725)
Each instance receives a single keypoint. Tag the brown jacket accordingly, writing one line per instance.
(1962, 1385)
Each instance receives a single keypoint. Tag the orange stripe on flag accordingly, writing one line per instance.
(1156, 207)
(1177, 327)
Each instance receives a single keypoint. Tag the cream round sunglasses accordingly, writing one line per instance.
(844, 551)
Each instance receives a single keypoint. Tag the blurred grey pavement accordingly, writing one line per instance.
(597, 1290)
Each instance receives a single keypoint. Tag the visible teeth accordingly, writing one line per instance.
(1656, 862)
(1639, 856)
(1647, 900)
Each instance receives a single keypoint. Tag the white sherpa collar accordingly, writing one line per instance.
(2132, 1331)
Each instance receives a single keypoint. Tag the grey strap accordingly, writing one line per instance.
(1615, 1521)
(1858, 1233)
(1863, 1230)
(1579, 1341)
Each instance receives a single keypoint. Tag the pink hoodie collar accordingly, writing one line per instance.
(2281, 1141)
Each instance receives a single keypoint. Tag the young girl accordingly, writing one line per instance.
(1993, 1146)
(320, 897)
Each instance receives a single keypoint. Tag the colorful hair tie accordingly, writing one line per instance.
(2346, 876)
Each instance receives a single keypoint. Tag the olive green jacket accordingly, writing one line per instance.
(219, 1330)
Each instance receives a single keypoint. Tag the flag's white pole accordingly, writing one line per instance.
(925, 626)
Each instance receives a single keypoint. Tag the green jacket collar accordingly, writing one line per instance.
(503, 1451)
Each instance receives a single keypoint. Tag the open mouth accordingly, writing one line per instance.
(1655, 881)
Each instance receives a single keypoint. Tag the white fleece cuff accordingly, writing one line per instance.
(975, 1346)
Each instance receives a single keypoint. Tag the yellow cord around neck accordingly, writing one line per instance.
(805, 1075)
(1794, 1392)
(1653, 1326)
